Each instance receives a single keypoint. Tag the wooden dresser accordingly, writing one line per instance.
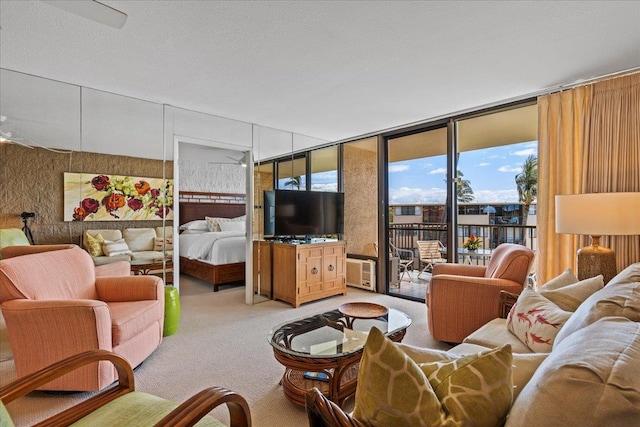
(308, 272)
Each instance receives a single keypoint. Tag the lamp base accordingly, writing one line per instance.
(594, 260)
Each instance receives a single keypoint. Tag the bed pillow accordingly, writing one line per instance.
(199, 224)
(115, 248)
(393, 390)
(214, 222)
(93, 244)
(628, 275)
(194, 231)
(232, 226)
(536, 321)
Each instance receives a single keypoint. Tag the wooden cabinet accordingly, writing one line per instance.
(308, 272)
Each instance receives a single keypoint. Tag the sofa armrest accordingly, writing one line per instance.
(200, 404)
(324, 413)
(459, 269)
(114, 269)
(130, 288)
(31, 382)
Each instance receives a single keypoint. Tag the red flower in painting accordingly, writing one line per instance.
(100, 182)
(114, 201)
(162, 211)
(142, 187)
(79, 214)
(135, 204)
(90, 205)
(155, 193)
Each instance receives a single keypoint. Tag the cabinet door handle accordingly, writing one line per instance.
(314, 270)
(331, 267)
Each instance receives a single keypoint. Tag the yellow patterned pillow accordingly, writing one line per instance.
(393, 390)
(93, 244)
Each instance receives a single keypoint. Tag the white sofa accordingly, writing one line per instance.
(591, 376)
(144, 243)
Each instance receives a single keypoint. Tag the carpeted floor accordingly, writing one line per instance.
(220, 341)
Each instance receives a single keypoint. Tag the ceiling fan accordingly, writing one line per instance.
(93, 10)
(234, 161)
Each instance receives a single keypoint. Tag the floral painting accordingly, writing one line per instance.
(99, 197)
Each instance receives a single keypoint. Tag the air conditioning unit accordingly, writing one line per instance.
(361, 273)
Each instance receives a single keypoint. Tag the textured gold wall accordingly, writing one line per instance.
(31, 179)
(360, 196)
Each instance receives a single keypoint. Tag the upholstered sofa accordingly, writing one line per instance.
(589, 374)
(140, 243)
(55, 306)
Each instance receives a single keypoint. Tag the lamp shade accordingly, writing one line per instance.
(598, 214)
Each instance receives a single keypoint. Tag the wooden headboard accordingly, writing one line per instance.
(197, 205)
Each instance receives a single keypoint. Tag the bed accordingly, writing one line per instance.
(224, 262)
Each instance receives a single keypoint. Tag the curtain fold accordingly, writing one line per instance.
(612, 152)
(588, 142)
(562, 122)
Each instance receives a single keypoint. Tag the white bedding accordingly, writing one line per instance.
(216, 247)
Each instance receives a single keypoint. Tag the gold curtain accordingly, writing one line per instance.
(588, 141)
(611, 161)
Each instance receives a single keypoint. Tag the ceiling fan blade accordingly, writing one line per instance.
(92, 10)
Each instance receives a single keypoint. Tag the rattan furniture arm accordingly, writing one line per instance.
(31, 382)
(322, 412)
(200, 404)
(506, 301)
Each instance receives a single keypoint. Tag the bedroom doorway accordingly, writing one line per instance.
(213, 180)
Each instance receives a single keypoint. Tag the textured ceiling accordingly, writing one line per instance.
(331, 70)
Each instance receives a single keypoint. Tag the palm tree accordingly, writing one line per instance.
(527, 184)
(294, 182)
(464, 190)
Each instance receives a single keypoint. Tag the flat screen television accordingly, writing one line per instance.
(303, 213)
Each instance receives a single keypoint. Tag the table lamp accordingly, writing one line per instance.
(598, 214)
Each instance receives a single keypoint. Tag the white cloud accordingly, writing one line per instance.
(484, 164)
(324, 187)
(525, 152)
(497, 196)
(442, 171)
(508, 168)
(398, 168)
(406, 195)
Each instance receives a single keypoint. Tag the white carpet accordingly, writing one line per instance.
(221, 341)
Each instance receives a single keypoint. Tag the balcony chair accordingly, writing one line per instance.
(462, 297)
(55, 306)
(120, 404)
(405, 260)
(429, 254)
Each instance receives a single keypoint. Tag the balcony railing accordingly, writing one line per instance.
(491, 235)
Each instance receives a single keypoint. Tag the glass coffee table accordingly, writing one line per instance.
(324, 344)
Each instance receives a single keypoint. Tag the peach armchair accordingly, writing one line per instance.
(461, 297)
(121, 404)
(54, 307)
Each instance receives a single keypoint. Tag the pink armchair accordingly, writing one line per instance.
(55, 306)
(461, 297)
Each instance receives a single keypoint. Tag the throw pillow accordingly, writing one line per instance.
(115, 248)
(569, 297)
(161, 244)
(565, 278)
(620, 299)
(628, 275)
(393, 390)
(93, 244)
(536, 321)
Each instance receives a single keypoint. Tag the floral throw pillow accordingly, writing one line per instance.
(393, 390)
(536, 321)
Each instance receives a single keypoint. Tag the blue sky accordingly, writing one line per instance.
(491, 172)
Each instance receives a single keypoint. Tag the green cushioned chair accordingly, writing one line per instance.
(121, 405)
